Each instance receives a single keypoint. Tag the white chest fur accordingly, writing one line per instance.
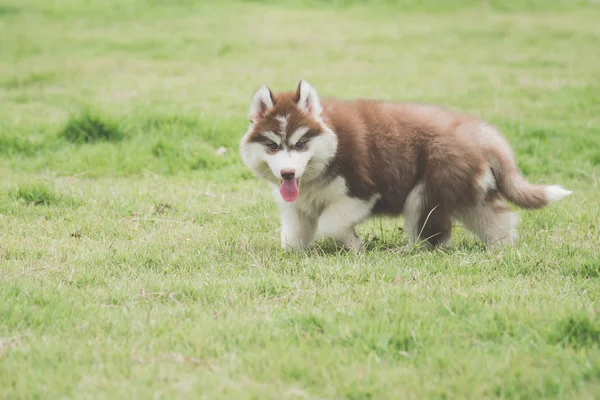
(315, 197)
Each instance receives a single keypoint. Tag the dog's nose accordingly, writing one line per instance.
(288, 174)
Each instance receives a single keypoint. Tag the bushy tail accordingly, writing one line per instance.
(522, 193)
(509, 180)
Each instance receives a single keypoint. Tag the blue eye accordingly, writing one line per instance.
(300, 145)
(273, 146)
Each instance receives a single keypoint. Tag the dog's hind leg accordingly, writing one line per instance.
(426, 221)
(492, 221)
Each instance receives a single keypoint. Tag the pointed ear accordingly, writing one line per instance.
(307, 98)
(261, 102)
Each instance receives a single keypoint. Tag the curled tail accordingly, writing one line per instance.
(509, 180)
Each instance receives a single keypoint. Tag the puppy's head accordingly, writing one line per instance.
(287, 141)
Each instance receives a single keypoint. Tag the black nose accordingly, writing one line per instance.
(288, 174)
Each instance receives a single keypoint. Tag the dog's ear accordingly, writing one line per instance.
(261, 102)
(307, 98)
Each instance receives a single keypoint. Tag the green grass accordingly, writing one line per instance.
(136, 261)
(88, 128)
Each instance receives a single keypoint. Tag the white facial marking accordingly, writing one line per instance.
(287, 160)
(272, 136)
(297, 135)
(320, 153)
(253, 157)
(283, 121)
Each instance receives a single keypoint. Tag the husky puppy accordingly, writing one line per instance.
(334, 163)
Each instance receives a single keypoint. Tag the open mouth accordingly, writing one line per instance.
(289, 189)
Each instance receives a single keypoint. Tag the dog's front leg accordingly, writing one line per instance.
(339, 219)
(298, 230)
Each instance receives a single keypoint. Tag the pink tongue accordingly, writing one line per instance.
(289, 190)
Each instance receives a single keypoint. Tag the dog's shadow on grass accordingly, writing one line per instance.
(372, 244)
(395, 244)
(400, 246)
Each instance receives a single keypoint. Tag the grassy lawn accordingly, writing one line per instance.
(139, 259)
